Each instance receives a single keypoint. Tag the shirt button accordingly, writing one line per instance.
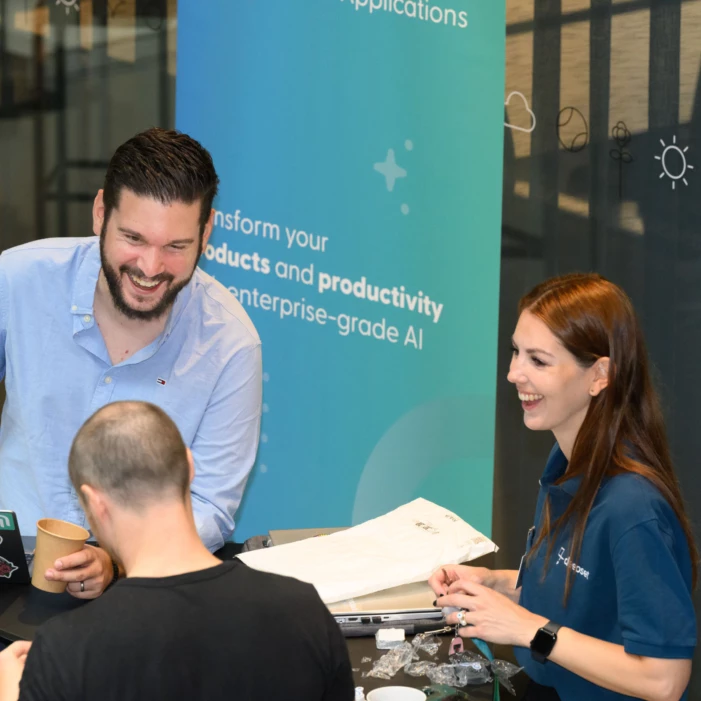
(87, 318)
(108, 379)
(74, 308)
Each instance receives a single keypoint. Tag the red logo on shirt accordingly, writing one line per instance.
(161, 381)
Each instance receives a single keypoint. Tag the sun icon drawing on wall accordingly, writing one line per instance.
(680, 167)
(68, 4)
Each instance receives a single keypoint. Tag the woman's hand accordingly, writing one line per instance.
(447, 575)
(490, 615)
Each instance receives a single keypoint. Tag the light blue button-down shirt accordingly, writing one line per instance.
(204, 370)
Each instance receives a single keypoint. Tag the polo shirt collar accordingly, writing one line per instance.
(555, 468)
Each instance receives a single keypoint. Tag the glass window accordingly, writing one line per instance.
(77, 78)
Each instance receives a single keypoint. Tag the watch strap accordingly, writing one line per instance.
(552, 628)
(544, 641)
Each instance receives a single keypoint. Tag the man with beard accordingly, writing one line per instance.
(129, 316)
(182, 624)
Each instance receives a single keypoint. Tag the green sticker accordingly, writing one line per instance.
(7, 521)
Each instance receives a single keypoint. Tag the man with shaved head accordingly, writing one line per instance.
(182, 624)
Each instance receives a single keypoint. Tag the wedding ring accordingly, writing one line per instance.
(461, 618)
(82, 586)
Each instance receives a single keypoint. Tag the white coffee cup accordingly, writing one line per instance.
(396, 693)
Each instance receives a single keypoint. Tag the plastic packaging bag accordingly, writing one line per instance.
(443, 674)
(430, 644)
(471, 668)
(391, 662)
(443, 692)
(503, 671)
(472, 673)
(419, 669)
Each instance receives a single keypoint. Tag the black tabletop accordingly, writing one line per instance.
(24, 608)
(362, 648)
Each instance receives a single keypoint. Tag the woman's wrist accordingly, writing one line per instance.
(531, 625)
(503, 581)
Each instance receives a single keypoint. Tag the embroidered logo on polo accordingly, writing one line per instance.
(575, 567)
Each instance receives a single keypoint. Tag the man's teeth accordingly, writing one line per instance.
(144, 283)
(529, 397)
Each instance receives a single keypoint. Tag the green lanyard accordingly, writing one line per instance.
(484, 649)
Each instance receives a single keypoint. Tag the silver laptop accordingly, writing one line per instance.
(292, 535)
(405, 606)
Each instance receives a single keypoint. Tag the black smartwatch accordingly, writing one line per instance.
(544, 641)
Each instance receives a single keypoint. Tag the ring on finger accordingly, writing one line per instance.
(82, 586)
(461, 618)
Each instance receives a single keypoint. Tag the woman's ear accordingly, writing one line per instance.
(601, 376)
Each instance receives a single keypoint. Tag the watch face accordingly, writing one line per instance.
(543, 642)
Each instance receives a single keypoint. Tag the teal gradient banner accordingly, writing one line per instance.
(359, 145)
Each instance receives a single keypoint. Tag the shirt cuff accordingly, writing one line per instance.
(210, 535)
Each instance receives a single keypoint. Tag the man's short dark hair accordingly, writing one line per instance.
(133, 452)
(166, 166)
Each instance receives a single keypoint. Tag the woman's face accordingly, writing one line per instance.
(555, 391)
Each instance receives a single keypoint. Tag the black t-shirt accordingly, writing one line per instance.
(229, 632)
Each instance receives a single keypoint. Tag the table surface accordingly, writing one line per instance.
(24, 608)
(358, 648)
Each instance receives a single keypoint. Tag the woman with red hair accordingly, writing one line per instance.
(601, 606)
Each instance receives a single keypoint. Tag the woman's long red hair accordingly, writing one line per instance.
(623, 430)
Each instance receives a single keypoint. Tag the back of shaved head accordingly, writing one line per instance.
(133, 452)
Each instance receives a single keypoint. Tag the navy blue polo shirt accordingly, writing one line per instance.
(631, 583)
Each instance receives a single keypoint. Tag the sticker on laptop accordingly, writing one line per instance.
(7, 522)
(7, 568)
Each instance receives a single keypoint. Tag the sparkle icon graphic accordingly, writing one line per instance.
(390, 170)
(680, 168)
(68, 4)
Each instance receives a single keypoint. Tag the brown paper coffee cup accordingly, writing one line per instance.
(55, 539)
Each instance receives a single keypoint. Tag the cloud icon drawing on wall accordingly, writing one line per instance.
(521, 121)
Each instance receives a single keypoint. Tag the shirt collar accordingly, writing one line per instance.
(555, 468)
(86, 281)
(179, 305)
